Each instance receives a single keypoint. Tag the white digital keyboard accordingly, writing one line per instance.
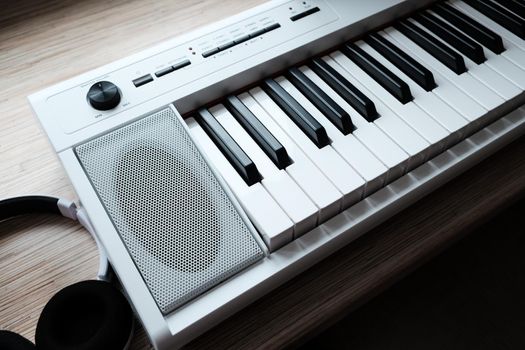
(319, 118)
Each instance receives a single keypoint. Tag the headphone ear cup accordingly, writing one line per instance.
(87, 315)
(13, 341)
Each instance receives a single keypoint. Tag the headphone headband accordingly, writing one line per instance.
(16, 206)
(86, 315)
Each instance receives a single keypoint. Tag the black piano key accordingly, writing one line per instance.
(297, 113)
(474, 29)
(388, 80)
(501, 15)
(231, 150)
(331, 110)
(345, 89)
(268, 143)
(515, 6)
(452, 36)
(440, 51)
(417, 72)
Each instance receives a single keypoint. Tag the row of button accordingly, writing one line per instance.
(148, 78)
(240, 40)
(173, 68)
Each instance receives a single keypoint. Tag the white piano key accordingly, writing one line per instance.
(514, 52)
(465, 82)
(507, 68)
(273, 224)
(368, 134)
(483, 73)
(402, 134)
(343, 143)
(501, 64)
(446, 90)
(440, 115)
(316, 186)
(515, 55)
(277, 182)
(491, 78)
(342, 175)
(481, 18)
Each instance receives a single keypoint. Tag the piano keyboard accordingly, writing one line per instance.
(306, 144)
(322, 117)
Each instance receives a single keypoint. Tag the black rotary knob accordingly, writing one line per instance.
(103, 95)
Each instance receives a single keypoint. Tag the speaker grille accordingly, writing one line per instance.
(178, 224)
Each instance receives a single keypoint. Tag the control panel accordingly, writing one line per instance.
(172, 68)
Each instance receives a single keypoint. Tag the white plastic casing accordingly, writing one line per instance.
(69, 121)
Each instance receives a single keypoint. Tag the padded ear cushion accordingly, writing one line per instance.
(14, 341)
(85, 316)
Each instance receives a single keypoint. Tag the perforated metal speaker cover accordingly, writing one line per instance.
(178, 224)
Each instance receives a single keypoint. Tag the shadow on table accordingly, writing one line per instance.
(470, 297)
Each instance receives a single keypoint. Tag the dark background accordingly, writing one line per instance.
(472, 296)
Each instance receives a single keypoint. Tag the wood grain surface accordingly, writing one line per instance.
(44, 42)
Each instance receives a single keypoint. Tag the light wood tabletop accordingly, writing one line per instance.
(42, 43)
(45, 42)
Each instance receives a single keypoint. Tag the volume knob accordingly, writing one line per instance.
(103, 95)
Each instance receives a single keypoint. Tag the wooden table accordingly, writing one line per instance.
(44, 42)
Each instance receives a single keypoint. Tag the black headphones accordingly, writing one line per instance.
(87, 315)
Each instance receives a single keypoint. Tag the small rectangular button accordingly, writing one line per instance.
(304, 14)
(210, 52)
(272, 27)
(242, 39)
(164, 71)
(257, 33)
(226, 46)
(181, 64)
(143, 80)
